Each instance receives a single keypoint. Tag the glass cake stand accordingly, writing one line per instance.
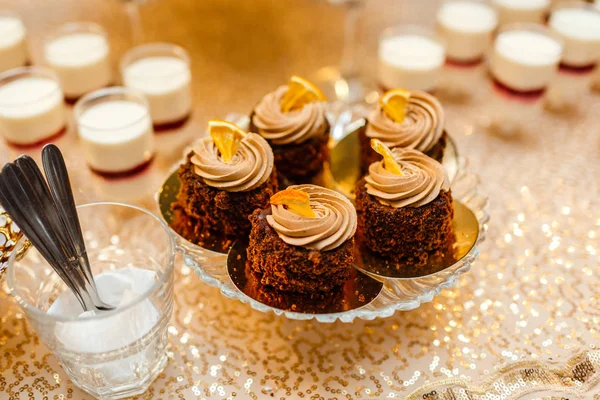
(378, 295)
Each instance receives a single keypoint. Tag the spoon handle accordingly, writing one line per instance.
(60, 187)
(38, 189)
(30, 172)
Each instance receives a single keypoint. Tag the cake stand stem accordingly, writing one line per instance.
(132, 9)
(343, 83)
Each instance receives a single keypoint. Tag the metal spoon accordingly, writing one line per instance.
(31, 172)
(29, 199)
(17, 198)
(60, 186)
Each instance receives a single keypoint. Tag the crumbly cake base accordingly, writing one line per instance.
(299, 163)
(216, 210)
(313, 302)
(195, 231)
(292, 268)
(409, 236)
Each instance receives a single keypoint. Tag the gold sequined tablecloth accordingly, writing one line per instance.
(523, 323)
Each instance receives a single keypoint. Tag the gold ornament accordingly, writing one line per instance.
(10, 234)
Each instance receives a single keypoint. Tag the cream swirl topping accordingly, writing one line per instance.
(280, 127)
(421, 181)
(249, 168)
(421, 129)
(335, 220)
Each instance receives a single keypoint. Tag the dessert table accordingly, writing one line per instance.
(525, 321)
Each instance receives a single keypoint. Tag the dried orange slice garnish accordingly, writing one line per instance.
(295, 200)
(227, 137)
(389, 163)
(300, 92)
(394, 103)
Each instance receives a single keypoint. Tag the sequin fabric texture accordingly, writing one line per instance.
(524, 320)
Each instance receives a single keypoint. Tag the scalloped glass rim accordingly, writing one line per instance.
(396, 295)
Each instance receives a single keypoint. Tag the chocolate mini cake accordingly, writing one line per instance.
(221, 187)
(298, 132)
(312, 302)
(422, 128)
(293, 250)
(406, 218)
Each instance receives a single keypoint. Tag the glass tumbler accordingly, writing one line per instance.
(112, 354)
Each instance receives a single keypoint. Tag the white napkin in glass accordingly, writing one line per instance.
(90, 334)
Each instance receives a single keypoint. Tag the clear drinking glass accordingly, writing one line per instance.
(118, 353)
(162, 72)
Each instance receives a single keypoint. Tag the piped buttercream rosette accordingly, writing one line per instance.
(421, 180)
(249, 168)
(421, 128)
(333, 223)
(281, 128)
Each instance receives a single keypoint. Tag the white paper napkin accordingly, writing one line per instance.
(95, 333)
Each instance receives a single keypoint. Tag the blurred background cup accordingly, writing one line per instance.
(161, 71)
(578, 23)
(525, 57)
(13, 41)
(410, 57)
(524, 62)
(115, 130)
(511, 11)
(111, 354)
(32, 108)
(79, 53)
(467, 27)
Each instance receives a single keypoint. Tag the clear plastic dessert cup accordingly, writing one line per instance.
(111, 354)
(410, 57)
(162, 72)
(32, 108)
(116, 132)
